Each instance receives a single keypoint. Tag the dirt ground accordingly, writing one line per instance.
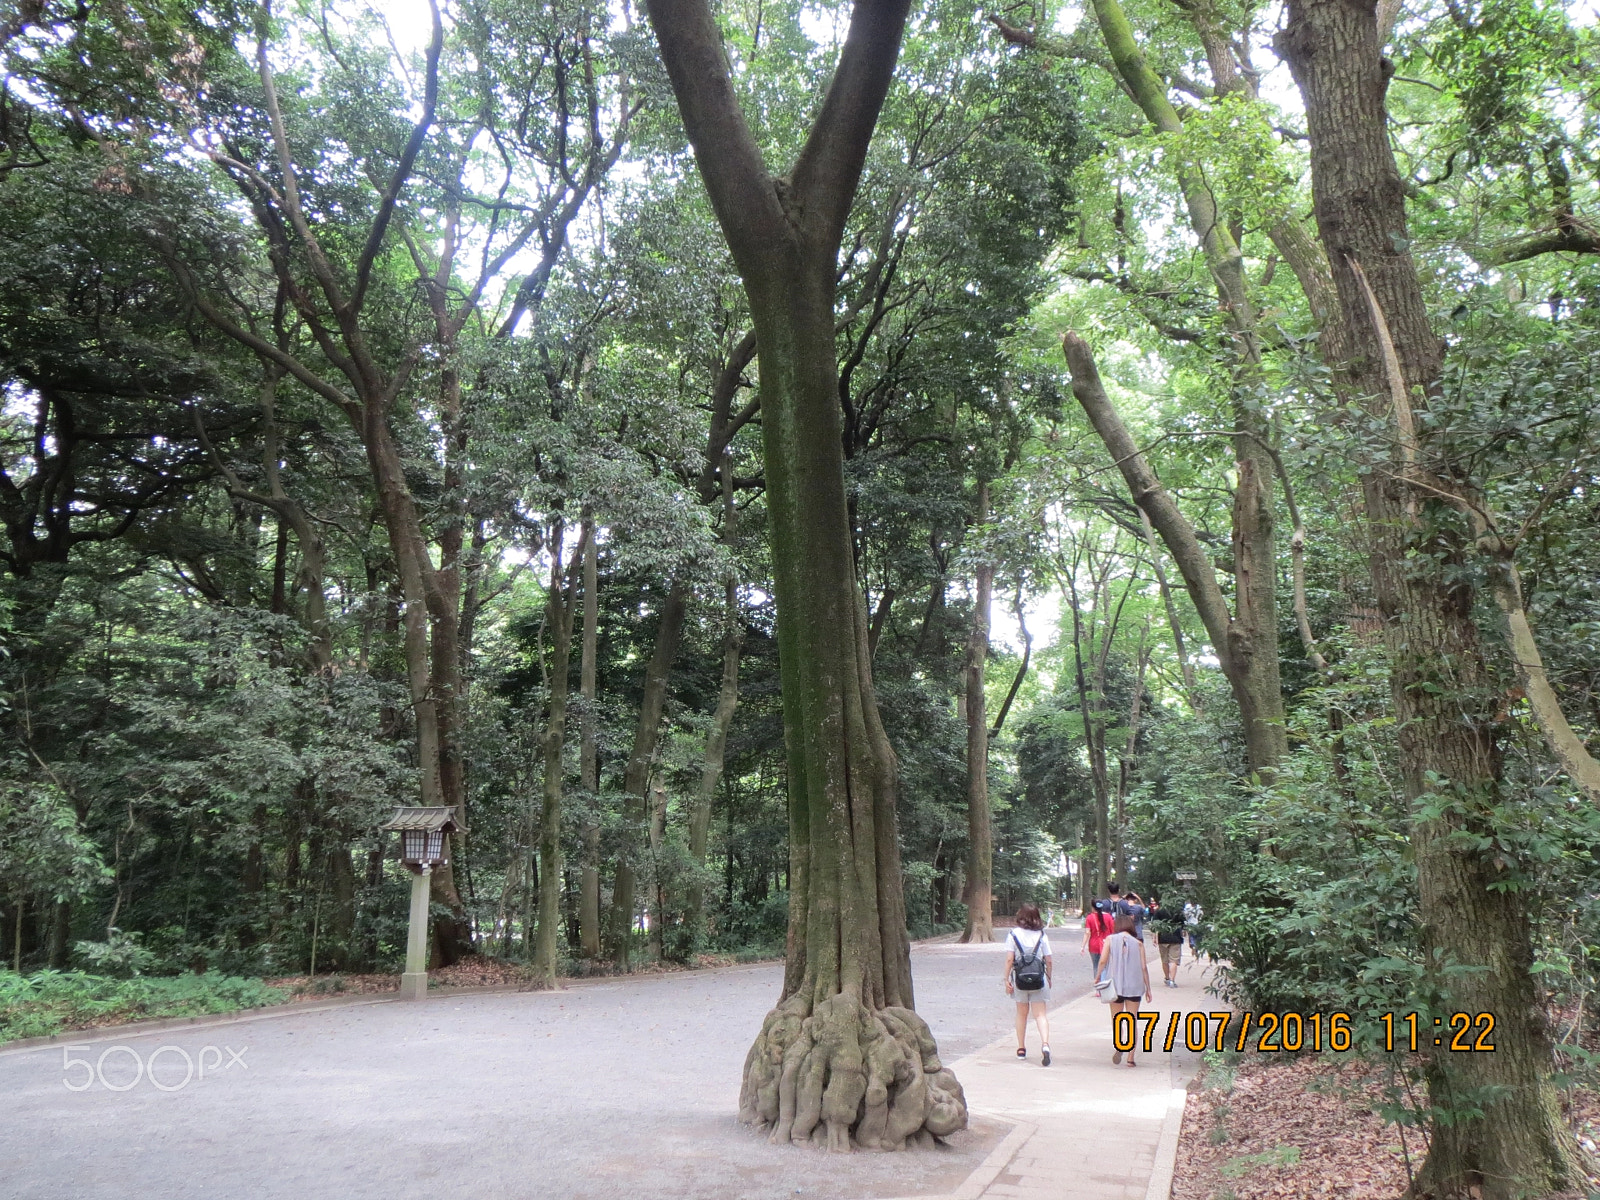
(1264, 1128)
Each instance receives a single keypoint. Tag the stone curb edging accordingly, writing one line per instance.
(1166, 1165)
(991, 1167)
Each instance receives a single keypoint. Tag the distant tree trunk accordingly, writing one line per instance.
(560, 610)
(980, 839)
(1185, 666)
(1384, 353)
(721, 722)
(636, 776)
(1126, 764)
(842, 1055)
(341, 925)
(1094, 746)
(589, 757)
(60, 933)
(658, 899)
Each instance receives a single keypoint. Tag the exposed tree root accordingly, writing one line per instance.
(848, 1071)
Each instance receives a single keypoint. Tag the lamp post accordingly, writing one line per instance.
(423, 846)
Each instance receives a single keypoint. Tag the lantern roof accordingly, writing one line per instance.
(432, 820)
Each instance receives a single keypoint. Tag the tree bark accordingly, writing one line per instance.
(589, 757)
(721, 719)
(980, 837)
(636, 775)
(1253, 628)
(1094, 746)
(843, 1055)
(1257, 692)
(1475, 923)
(560, 610)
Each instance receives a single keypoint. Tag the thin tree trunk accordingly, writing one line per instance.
(1190, 694)
(1126, 763)
(980, 837)
(589, 757)
(1259, 698)
(658, 900)
(721, 721)
(636, 776)
(560, 611)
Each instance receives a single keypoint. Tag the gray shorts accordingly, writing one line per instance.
(1039, 996)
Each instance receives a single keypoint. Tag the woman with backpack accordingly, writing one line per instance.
(1127, 975)
(1028, 970)
(1097, 927)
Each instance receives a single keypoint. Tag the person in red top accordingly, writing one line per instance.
(1097, 926)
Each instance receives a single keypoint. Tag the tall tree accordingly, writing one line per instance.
(843, 1054)
(1501, 1134)
(980, 837)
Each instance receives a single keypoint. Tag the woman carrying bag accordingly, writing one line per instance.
(1126, 976)
(1028, 970)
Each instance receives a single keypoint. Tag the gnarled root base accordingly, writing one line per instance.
(844, 1071)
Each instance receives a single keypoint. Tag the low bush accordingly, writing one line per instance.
(54, 1001)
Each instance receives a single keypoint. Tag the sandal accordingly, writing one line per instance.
(1022, 1052)
(1045, 1055)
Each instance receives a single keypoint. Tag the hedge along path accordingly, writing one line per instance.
(842, 1055)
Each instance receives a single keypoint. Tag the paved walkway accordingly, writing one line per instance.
(608, 1088)
(1084, 1129)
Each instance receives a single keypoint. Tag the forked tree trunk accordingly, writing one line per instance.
(1475, 931)
(980, 836)
(842, 1055)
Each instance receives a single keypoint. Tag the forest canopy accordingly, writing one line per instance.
(398, 411)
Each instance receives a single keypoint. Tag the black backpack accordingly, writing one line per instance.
(1028, 969)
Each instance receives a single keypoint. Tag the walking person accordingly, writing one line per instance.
(1130, 905)
(1168, 924)
(1192, 916)
(1097, 927)
(1029, 966)
(1122, 961)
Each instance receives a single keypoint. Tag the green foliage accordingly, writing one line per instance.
(49, 1002)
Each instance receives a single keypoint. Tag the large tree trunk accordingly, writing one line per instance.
(980, 838)
(1475, 918)
(842, 1055)
(636, 776)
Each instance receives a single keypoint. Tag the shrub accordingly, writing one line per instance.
(53, 1001)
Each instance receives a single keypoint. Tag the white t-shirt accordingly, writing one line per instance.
(1030, 940)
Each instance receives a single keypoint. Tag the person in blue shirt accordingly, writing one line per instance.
(1129, 906)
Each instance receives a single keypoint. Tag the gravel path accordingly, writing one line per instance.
(607, 1089)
